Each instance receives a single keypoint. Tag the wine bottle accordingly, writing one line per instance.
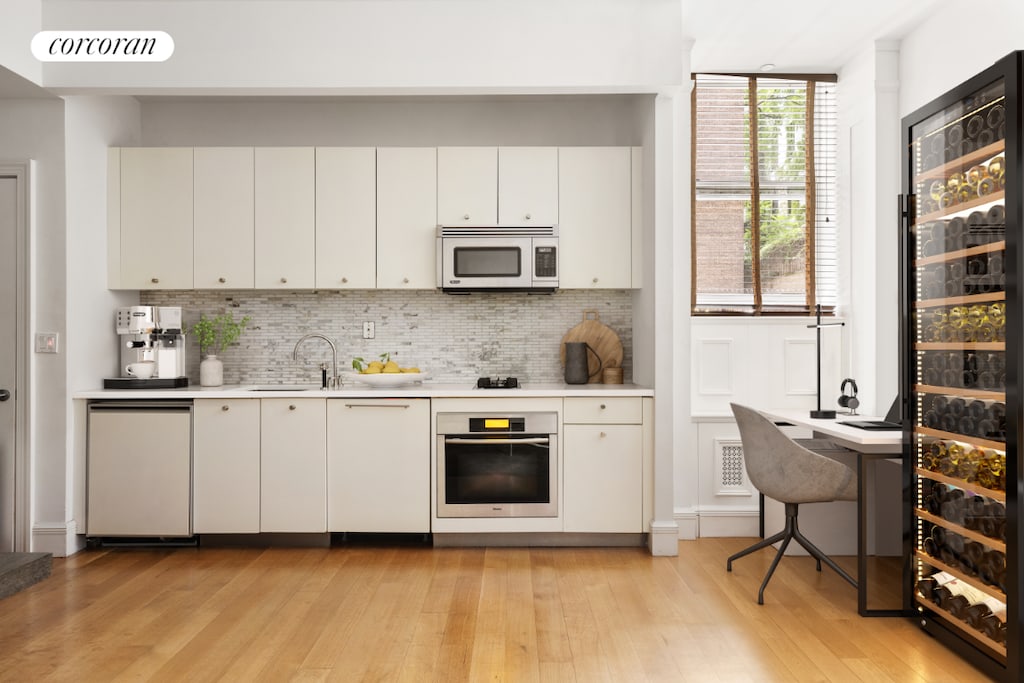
(974, 126)
(954, 136)
(965, 193)
(994, 627)
(995, 116)
(996, 214)
(985, 186)
(953, 507)
(954, 231)
(996, 166)
(976, 265)
(926, 585)
(976, 173)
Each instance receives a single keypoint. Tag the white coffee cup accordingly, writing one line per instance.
(142, 369)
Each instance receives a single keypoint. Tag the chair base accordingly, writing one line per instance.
(792, 531)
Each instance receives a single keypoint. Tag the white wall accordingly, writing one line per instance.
(21, 19)
(868, 186)
(92, 124)
(367, 46)
(34, 129)
(412, 121)
(928, 68)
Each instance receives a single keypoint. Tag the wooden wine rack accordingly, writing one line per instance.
(983, 394)
(987, 541)
(963, 254)
(953, 209)
(999, 496)
(955, 571)
(957, 165)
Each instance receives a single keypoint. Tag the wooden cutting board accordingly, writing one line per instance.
(601, 338)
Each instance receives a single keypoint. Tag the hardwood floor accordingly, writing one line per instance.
(363, 613)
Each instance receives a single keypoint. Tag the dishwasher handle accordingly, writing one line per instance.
(134, 406)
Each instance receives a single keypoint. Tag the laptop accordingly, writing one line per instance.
(891, 421)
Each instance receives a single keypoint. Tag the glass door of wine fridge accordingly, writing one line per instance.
(960, 343)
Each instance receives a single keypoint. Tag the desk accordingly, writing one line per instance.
(869, 445)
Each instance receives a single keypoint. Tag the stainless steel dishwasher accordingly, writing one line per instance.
(139, 469)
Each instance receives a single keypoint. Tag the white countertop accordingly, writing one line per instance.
(861, 440)
(420, 390)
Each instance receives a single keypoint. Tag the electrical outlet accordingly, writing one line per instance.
(368, 330)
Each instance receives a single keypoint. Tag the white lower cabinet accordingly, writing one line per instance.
(378, 465)
(226, 466)
(604, 465)
(293, 465)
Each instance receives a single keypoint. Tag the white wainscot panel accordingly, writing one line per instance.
(800, 366)
(728, 503)
(714, 369)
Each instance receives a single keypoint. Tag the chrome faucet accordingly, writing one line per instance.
(334, 380)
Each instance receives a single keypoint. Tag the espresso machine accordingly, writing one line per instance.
(150, 338)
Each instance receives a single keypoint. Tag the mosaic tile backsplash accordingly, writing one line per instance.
(454, 338)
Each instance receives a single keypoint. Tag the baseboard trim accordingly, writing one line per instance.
(729, 523)
(663, 540)
(60, 540)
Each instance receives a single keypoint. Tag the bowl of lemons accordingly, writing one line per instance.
(385, 372)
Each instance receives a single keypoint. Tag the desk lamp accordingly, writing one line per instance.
(819, 413)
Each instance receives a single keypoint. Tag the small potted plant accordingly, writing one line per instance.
(214, 335)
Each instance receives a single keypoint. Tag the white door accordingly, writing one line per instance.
(8, 355)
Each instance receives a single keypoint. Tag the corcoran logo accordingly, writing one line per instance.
(102, 46)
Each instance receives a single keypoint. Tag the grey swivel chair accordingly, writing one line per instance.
(787, 471)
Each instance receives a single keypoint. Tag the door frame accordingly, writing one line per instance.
(21, 171)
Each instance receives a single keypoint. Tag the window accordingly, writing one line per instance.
(755, 251)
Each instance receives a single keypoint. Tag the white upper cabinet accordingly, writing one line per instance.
(285, 251)
(406, 217)
(224, 223)
(156, 218)
(527, 186)
(595, 217)
(467, 186)
(346, 217)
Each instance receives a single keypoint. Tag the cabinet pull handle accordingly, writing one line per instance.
(225, 408)
(603, 435)
(222, 280)
(595, 280)
(603, 406)
(284, 280)
(405, 280)
(344, 280)
(528, 216)
(465, 217)
(403, 406)
(291, 407)
(154, 280)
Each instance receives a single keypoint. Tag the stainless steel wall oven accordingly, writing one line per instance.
(497, 465)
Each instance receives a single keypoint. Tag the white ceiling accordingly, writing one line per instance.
(797, 36)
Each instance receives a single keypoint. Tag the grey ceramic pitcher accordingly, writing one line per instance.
(576, 363)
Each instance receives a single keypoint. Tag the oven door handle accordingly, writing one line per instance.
(501, 442)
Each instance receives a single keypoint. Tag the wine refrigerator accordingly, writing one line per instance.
(961, 353)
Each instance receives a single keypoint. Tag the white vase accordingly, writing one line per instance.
(211, 371)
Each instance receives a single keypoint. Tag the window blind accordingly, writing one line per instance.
(754, 250)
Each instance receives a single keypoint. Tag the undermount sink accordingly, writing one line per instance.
(283, 387)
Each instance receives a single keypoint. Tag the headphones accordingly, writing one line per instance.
(849, 400)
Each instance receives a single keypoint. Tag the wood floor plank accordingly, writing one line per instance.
(454, 614)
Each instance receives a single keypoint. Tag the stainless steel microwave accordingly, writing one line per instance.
(497, 259)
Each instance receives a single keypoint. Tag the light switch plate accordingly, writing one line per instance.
(46, 342)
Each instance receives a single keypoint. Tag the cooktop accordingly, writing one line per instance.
(497, 383)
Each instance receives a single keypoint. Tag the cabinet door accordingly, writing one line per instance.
(346, 218)
(527, 186)
(224, 228)
(603, 485)
(156, 217)
(406, 217)
(467, 186)
(285, 218)
(378, 467)
(293, 465)
(595, 217)
(226, 466)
